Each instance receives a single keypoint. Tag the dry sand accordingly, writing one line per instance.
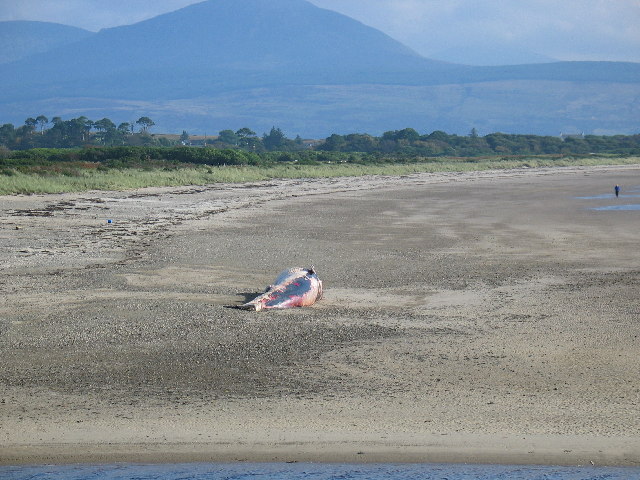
(481, 317)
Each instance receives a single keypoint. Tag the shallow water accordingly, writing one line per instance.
(630, 194)
(631, 206)
(609, 195)
(310, 471)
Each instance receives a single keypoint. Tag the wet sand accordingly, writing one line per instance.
(481, 317)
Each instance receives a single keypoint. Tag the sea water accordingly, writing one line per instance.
(316, 471)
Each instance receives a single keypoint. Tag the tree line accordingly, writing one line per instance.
(40, 132)
(78, 132)
(408, 142)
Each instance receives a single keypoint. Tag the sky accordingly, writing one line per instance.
(466, 31)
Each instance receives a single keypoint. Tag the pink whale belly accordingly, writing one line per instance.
(296, 287)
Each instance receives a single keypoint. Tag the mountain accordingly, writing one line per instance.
(258, 63)
(218, 43)
(19, 39)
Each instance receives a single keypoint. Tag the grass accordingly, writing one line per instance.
(13, 181)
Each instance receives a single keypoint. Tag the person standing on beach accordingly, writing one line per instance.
(617, 190)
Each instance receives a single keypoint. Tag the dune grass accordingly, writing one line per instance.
(17, 182)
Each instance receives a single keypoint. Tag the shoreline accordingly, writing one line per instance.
(485, 317)
(467, 449)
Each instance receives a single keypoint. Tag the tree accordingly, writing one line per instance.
(80, 125)
(408, 134)
(42, 121)
(66, 133)
(228, 137)
(438, 135)
(107, 132)
(85, 125)
(30, 123)
(245, 132)
(7, 134)
(247, 140)
(274, 140)
(104, 124)
(145, 123)
(360, 142)
(184, 138)
(334, 143)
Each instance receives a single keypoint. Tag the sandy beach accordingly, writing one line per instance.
(467, 317)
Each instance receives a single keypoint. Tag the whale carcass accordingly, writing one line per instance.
(296, 287)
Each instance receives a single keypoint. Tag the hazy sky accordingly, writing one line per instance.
(471, 29)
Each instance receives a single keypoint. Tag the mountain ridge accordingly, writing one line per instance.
(261, 41)
(22, 38)
(226, 49)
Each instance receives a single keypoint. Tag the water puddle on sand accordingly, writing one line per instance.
(632, 192)
(618, 207)
(597, 197)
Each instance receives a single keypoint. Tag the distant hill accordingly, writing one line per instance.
(234, 63)
(20, 39)
(490, 54)
(223, 43)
